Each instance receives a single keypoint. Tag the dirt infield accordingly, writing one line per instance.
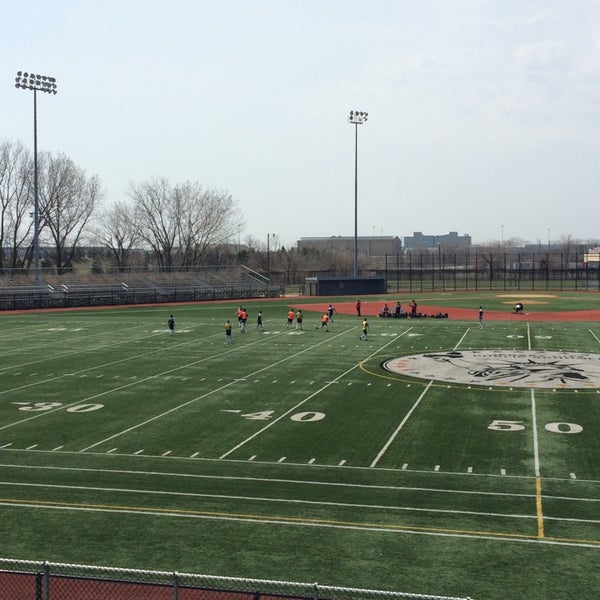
(372, 309)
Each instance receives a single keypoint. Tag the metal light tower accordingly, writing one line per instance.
(37, 83)
(269, 255)
(356, 118)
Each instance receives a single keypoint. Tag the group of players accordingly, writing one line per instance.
(292, 315)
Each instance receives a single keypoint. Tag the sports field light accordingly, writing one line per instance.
(36, 83)
(356, 118)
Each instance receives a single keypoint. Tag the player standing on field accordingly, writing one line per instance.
(290, 317)
(365, 330)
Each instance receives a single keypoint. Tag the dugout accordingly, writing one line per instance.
(345, 286)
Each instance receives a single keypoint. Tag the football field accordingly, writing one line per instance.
(434, 457)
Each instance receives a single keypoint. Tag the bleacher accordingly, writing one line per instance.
(53, 290)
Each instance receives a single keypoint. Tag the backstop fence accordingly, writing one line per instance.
(31, 580)
(495, 270)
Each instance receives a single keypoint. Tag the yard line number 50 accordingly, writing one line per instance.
(500, 425)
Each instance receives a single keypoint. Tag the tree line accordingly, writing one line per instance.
(176, 224)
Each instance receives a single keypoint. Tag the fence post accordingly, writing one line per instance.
(175, 586)
(38, 585)
(46, 585)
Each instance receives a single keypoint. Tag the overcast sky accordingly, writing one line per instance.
(484, 115)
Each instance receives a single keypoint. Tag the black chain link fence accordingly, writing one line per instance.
(31, 580)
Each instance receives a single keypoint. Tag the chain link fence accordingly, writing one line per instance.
(31, 580)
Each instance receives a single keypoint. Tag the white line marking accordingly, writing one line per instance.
(193, 400)
(402, 423)
(536, 451)
(294, 408)
(373, 528)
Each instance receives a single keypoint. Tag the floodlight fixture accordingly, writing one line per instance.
(358, 117)
(37, 83)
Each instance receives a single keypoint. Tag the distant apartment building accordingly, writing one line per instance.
(420, 241)
(381, 245)
(592, 257)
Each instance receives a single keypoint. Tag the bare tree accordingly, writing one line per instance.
(155, 219)
(68, 199)
(209, 218)
(118, 232)
(180, 223)
(16, 203)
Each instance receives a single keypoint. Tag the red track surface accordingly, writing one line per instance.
(372, 309)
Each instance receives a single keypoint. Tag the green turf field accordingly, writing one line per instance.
(294, 455)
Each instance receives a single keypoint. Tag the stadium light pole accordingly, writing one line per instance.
(269, 255)
(36, 83)
(356, 118)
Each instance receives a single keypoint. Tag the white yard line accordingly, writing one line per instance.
(536, 461)
(321, 389)
(211, 392)
(280, 500)
(536, 452)
(410, 412)
(402, 423)
(111, 390)
(594, 336)
(53, 356)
